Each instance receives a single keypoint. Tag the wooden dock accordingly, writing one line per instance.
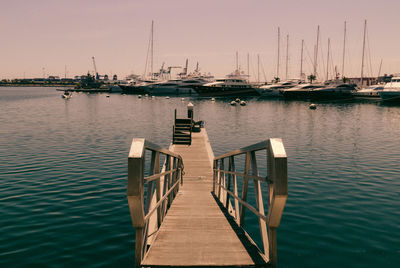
(195, 225)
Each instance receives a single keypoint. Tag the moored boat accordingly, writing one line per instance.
(230, 86)
(371, 92)
(66, 95)
(334, 91)
(275, 90)
(176, 87)
(391, 91)
(301, 91)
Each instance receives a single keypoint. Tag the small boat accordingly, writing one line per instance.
(312, 106)
(243, 103)
(66, 95)
(391, 91)
(233, 103)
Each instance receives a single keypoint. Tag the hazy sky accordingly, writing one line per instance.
(50, 34)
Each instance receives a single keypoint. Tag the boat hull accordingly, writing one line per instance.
(206, 91)
(331, 94)
(297, 94)
(168, 91)
(390, 96)
(133, 89)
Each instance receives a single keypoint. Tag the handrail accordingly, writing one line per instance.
(160, 188)
(225, 179)
(252, 148)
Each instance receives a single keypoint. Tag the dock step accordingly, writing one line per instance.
(182, 131)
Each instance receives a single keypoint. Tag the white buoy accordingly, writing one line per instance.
(233, 103)
(167, 97)
(182, 99)
(140, 96)
(313, 106)
(212, 99)
(243, 103)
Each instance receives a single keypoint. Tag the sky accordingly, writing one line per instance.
(48, 36)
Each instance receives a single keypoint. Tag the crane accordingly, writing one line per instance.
(95, 69)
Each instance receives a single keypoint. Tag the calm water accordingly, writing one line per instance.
(63, 167)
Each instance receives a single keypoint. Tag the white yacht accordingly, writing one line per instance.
(369, 92)
(275, 90)
(300, 91)
(391, 91)
(176, 87)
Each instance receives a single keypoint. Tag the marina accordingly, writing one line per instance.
(178, 134)
(67, 197)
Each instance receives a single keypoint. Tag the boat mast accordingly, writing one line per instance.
(258, 68)
(316, 54)
(327, 61)
(248, 67)
(301, 59)
(380, 67)
(287, 55)
(344, 48)
(362, 61)
(277, 65)
(237, 62)
(151, 50)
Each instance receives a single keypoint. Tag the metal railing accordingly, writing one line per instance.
(160, 188)
(225, 186)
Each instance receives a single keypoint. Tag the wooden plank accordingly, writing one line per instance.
(195, 231)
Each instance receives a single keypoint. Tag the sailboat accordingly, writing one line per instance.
(334, 89)
(275, 90)
(141, 86)
(372, 91)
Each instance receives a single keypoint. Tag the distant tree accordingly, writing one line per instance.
(311, 78)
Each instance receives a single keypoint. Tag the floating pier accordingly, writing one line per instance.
(187, 210)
